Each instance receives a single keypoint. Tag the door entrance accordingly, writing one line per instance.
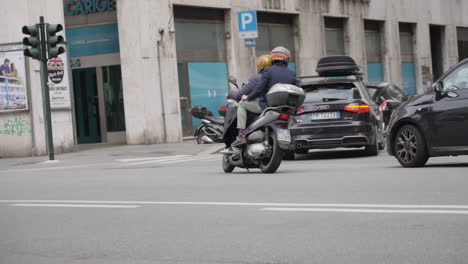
(201, 61)
(86, 106)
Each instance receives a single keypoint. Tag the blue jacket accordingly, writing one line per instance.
(247, 88)
(277, 73)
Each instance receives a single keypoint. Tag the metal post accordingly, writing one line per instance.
(45, 91)
(254, 58)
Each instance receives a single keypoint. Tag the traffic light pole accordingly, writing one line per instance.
(45, 91)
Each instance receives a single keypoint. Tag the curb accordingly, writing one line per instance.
(212, 150)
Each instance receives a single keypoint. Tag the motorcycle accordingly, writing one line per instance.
(268, 136)
(211, 129)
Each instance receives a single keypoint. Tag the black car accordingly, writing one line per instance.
(387, 96)
(434, 123)
(337, 111)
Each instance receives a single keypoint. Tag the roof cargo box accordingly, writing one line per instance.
(334, 66)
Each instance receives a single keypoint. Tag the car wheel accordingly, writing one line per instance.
(409, 147)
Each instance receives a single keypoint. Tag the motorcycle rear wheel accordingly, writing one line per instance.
(272, 164)
(227, 167)
(200, 136)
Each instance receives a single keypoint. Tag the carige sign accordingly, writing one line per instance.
(83, 7)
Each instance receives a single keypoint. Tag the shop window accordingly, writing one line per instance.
(113, 96)
(407, 57)
(274, 30)
(201, 36)
(334, 36)
(373, 50)
(462, 34)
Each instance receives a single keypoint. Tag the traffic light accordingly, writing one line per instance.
(52, 40)
(35, 50)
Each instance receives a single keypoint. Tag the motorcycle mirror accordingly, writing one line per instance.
(233, 80)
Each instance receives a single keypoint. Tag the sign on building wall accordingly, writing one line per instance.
(247, 21)
(94, 40)
(58, 83)
(12, 80)
(82, 7)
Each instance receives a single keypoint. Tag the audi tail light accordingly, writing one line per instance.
(300, 111)
(357, 108)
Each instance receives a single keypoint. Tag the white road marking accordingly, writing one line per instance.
(373, 211)
(76, 205)
(59, 167)
(151, 158)
(169, 160)
(317, 205)
(191, 159)
(50, 161)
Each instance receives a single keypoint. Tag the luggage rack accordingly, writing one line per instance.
(359, 76)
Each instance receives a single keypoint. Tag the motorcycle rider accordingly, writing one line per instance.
(256, 100)
(262, 62)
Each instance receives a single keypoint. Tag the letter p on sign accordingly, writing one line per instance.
(246, 18)
(247, 21)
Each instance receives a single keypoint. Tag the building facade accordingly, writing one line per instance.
(136, 67)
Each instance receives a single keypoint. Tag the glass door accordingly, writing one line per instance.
(87, 109)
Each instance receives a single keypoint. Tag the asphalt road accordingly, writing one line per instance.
(326, 207)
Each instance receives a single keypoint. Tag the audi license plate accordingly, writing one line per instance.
(324, 115)
(283, 135)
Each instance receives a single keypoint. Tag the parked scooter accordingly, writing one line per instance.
(211, 129)
(268, 136)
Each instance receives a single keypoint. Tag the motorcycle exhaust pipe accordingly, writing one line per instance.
(207, 139)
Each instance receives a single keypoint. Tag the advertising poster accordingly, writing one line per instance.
(58, 83)
(12, 81)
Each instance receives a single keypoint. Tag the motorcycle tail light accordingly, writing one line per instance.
(284, 117)
(357, 108)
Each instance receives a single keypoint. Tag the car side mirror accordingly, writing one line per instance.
(438, 87)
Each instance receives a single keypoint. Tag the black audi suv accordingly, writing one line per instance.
(338, 110)
(434, 123)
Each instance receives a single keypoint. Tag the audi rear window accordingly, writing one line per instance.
(319, 94)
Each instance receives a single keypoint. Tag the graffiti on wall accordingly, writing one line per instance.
(15, 127)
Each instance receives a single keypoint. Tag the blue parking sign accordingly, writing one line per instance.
(247, 21)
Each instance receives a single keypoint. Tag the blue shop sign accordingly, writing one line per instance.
(82, 7)
(94, 40)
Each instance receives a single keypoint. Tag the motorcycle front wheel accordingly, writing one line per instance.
(271, 164)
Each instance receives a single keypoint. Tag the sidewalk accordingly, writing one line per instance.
(101, 154)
